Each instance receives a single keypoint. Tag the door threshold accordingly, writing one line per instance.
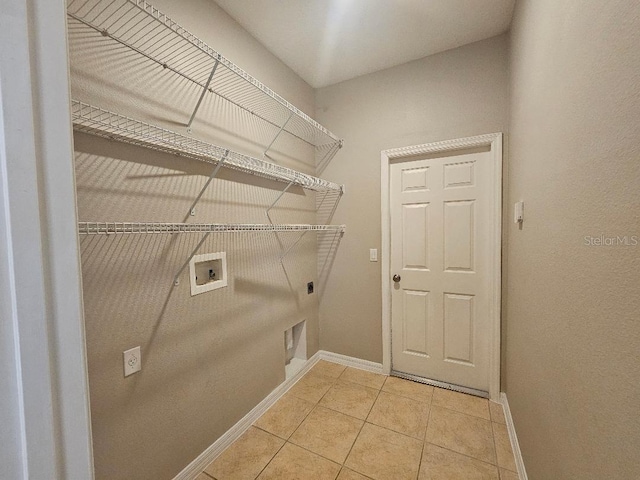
(437, 383)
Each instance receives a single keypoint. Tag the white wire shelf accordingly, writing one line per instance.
(108, 228)
(103, 123)
(142, 28)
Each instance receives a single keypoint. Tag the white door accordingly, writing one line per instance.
(441, 253)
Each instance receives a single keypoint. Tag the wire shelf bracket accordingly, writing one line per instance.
(176, 279)
(273, 204)
(264, 154)
(204, 91)
(192, 209)
(142, 28)
(290, 247)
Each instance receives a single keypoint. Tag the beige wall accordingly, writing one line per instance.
(573, 321)
(209, 359)
(454, 94)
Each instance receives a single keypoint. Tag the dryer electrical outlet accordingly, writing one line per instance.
(208, 272)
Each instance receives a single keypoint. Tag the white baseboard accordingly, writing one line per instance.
(191, 471)
(522, 473)
(351, 361)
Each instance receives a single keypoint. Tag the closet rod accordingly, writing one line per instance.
(108, 228)
(142, 28)
(103, 123)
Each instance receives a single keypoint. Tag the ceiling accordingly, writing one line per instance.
(328, 41)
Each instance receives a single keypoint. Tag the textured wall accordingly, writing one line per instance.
(573, 321)
(454, 94)
(209, 359)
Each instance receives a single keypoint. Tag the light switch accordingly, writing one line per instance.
(373, 254)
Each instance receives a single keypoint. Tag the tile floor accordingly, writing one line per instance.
(347, 424)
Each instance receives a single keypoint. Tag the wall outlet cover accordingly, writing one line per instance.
(309, 288)
(132, 361)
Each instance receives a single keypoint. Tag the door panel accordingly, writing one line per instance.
(441, 227)
(459, 243)
(458, 328)
(415, 179)
(459, 174)
(415, 239)
(414, 331)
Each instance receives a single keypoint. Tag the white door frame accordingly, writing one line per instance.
(494, 142)
(44, 395)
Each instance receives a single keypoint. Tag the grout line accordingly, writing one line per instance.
(495, 448)
(465, 455)
(312, 409)
(265, 431)
(393, 429)
(460, 453)
(315, 453)
(464, 413)
(404, 395)
(364, 422)
(301, 422)
(344, 467)
(271, 460)
(286, 440)
(424, 440)
(420, 462)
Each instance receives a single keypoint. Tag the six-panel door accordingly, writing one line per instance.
(440, 247)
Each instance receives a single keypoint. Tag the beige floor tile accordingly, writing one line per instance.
(350, 399)
(441, 464)
(503, 447)
(507, 475)
(497, 413)
(407, 388)
(328, 369)
(295, 463)
(346, 474)
(461, 402)
(203, 476)
(400, 414)
(246, 457)
(312, 387)
(328, 433)
(284, 416)
(362, 377)
(383, 454)
(461, 433)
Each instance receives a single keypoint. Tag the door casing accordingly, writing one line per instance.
(494, 142)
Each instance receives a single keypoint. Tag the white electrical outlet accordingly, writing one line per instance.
(132, 361)
(373, 254)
